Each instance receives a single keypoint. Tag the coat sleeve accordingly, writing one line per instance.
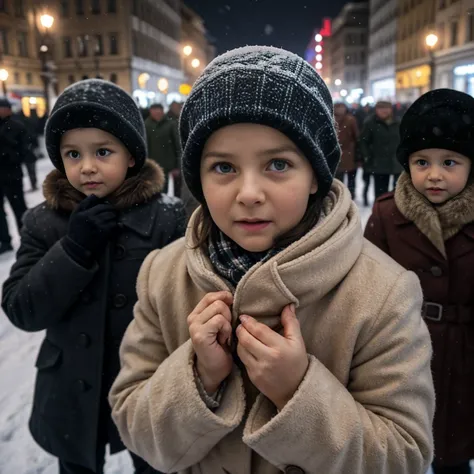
(375, 231)
(380, 422)
(155, 400)
(181, 220)
(365, 142)
(43, 283)
(355, 129)
(176, 144)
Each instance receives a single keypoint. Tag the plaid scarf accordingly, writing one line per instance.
(231, 261)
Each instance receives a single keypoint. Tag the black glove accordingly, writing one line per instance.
(90, 227)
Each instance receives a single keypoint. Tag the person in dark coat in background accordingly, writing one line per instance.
(348, 133)
(14, 147)
(378, 144)
(427, 226)
(31, 125)
(163, 143)
(76, 269)
(361, 114)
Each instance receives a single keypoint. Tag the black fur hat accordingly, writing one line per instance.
(442, 118)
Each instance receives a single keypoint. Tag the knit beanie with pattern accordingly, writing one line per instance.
(267, 86)
(95, 103)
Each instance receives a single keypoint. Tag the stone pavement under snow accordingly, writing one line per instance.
(19, 454)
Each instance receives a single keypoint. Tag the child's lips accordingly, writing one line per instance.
(92, 184)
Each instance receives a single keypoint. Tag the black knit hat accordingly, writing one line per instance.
(94, 103)
(443, 118)
(262, 85)
(5, 103)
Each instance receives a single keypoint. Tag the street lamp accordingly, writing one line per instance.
(431, 41)
(195, 63)
(3, 78)
(187, 50)
(337, 82)
(47, 22)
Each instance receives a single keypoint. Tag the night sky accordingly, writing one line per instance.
(284, 23)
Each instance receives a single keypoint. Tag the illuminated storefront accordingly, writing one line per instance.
(383, 89)
(412, 83)
(455, 70)
(463, 78)
(155, 83)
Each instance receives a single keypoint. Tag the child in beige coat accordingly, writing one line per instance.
(273, 337)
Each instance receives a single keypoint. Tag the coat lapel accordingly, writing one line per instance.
(139, 220)
(411, 235)
(462, 243)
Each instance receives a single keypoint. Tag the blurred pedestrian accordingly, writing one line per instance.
(348, 134)
(32, 146)
(163, 142)
(378, 142)
(14, 146)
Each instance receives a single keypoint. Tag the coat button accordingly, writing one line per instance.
(81, 386)
(120, 300)
(119, 252)
(86, 297)
(293, 470)
(436, 271)
(83, 340)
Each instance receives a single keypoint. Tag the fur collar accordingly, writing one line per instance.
(438, 223)
(60, 195)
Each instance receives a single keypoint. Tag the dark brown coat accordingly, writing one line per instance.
(348, 134)
(442, 255)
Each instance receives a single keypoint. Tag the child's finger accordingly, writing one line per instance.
(260, 331)
(224, 296)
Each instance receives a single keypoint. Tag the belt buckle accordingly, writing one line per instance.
(436, 318)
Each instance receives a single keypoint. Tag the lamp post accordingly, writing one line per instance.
(3, 78)
(431, 41)
(46, 22)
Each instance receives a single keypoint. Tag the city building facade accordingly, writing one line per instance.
(348, 52)
(198, 48)
(416, 20)
(454, 56)
(382, 49)
(317, 52)
(137, 44)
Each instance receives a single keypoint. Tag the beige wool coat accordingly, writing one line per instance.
(366, 402)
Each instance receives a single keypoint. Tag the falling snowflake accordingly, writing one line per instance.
(268, 30)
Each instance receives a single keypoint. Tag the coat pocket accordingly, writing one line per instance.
(50, 399)
(49, 356)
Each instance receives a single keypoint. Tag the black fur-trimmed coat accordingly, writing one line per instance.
(84, 311)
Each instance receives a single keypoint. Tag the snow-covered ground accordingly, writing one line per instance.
(19, 454)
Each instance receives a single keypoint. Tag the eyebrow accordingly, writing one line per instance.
(443, 156)
(96, 144)
(267, 152)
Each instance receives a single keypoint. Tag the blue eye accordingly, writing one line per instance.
(223, 168)
(279, 165)
(103, 152)
(73, 154)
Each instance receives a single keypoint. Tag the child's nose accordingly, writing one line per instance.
(250, 192)
(88, 165)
